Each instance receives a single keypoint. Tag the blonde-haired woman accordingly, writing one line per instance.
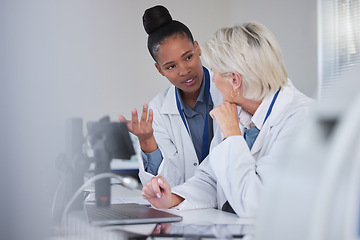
(249, 72)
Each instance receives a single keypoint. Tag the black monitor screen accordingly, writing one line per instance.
(114, 135)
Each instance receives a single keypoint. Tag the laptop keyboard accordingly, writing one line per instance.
(127, 213)
(107, 213)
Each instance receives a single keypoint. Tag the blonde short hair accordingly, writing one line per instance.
(253, 52)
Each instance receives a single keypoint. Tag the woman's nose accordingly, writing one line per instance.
(183, 70)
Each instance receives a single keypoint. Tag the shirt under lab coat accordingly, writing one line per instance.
(232, 172)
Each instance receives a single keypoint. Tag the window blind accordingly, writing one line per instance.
(339, 40)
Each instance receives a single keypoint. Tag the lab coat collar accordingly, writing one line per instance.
(260, 113)
(169, 103)
(280, 107)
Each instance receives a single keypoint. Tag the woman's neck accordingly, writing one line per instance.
(189, 98)
(250, 106)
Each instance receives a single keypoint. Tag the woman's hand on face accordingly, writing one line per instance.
(226, 116)
(143, 129)
(157, 191)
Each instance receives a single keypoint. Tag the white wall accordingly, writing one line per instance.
(87, 58)
(98, 49)
(91, 56)
(294, 24)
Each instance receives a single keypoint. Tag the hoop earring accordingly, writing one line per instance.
(236, 95)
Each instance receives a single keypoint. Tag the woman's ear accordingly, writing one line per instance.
(159, 68)
(197, 47)
(237, 80)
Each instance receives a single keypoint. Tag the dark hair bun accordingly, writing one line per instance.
(155, 17)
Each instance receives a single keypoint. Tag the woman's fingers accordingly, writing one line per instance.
(122, 118)
(151, 116)
(212, 113)
(226, 116)
(144, 114)
(147, 190)
(164, 186)
(155, 187)
(146, 118)
(134, 117)
(129, 124)
(146, 193)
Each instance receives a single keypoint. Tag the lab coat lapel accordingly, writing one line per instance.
(169, 108)
(259, 142)
(169, 103)
(280, 106)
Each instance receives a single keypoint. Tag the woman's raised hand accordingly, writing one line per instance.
(226, 116)
(142, 129)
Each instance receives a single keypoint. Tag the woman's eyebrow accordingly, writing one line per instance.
(171, 62)
(186, 53)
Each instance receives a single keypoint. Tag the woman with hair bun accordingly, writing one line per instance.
(175, 130)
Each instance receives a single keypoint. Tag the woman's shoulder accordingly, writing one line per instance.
(294, 103)
(159, 99)
(299, 98)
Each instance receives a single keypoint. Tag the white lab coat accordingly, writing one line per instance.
(179, 155)
(232, 172)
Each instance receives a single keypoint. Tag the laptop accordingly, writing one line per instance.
(127, 213)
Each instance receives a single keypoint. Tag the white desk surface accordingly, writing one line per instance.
(198, 216)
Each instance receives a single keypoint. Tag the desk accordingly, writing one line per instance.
(203, 217)
(199, 220)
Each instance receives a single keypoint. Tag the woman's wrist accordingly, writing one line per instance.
(148, 145)
(176, 200)
(232, 133)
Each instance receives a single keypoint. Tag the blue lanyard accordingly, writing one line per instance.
(271, 105)
(205, 142)
(269, 110)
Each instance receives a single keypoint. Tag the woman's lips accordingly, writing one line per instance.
(190, 82)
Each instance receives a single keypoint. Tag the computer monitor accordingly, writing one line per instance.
(113, 135)
(108, 140)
